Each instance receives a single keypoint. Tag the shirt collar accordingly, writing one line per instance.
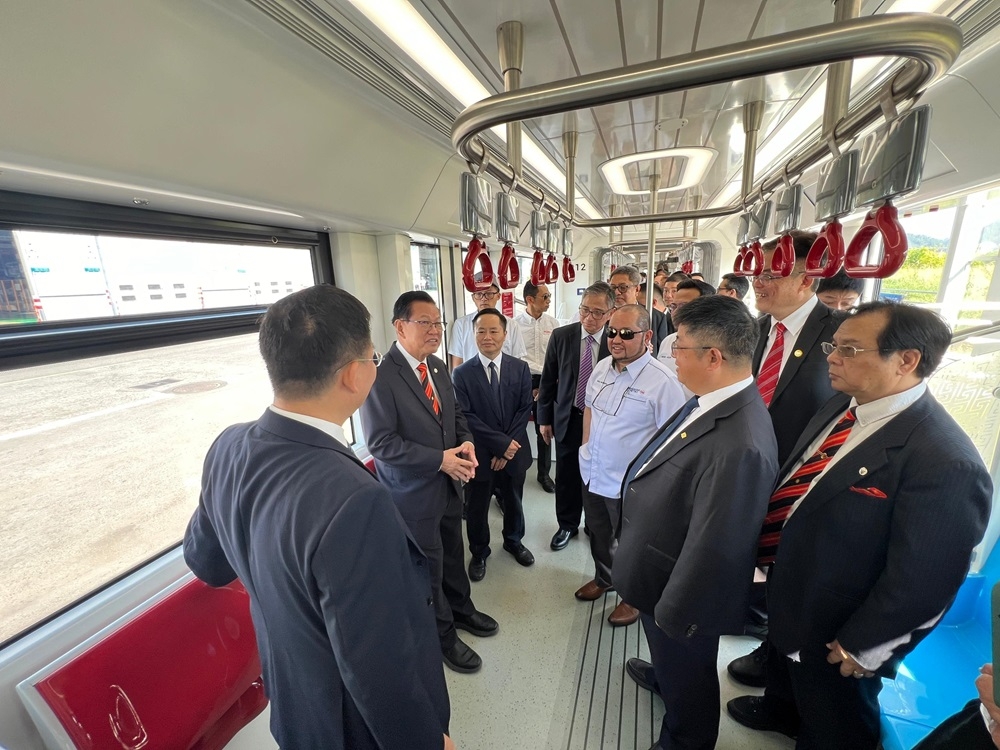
(485, 361)
(793, 322)
(632, 369)
(409, 357)
(333, 430)
(888, 406)
(716, 397)
(584, 334)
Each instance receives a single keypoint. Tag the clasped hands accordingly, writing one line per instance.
(849, 667)
(460, 462)
(498, 462)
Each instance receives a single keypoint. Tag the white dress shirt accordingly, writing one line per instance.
(413, 361)
(793, 327)
(486, 362)
(667, 358)
(626, 410)
(333, 430)
(536, 333)
(463, 339)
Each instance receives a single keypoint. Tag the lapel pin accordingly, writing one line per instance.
(797, 353)
(683, 435)
(863, 471)
(435, 371)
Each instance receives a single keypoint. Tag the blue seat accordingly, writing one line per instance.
(936, 679)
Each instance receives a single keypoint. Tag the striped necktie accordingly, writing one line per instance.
(586, 367)
(425, 382)
(779, 507)
(767, 378)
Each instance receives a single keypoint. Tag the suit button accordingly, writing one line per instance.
(692, 629)
(430, 601)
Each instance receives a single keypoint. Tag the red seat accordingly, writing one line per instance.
(184, 673)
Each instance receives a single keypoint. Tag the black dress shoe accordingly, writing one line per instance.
(520, 553)
(547, 484)
(750, 669)
(562, 537)
(755, 712)
(477, 624)
(477, 568)
(643, 673)
(461, 658)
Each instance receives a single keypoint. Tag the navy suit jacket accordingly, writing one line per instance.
(340, 595)
(804, 385)
(407, 440)
(493, 431)
(691, 520)
(883, 540)
(560, 372)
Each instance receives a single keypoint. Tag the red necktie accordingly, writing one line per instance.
(428, 389)
(779, 507)
(767, 378)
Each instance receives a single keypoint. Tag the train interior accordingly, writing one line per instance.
(168, 167)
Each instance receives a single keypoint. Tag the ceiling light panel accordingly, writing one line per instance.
(697, 163)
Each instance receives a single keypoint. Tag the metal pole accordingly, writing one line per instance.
(570, 140)
(654, 191)
(838, 75)
(753, 116)
(510, 42)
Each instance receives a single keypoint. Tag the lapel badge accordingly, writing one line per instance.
(683, 435)
(435, 371)
(863, 471)
(797, 353)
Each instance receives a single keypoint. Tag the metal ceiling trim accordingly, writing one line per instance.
(932, 43)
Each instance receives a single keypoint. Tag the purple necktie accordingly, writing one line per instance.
(586, 367)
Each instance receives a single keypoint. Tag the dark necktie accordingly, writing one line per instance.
(767, 378)
(425, 383)
(779, 507)
(659, 440)
(495, 387)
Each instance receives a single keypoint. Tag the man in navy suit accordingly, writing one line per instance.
(494, 393)
(423, 453)
(339, 592)
(870, 531)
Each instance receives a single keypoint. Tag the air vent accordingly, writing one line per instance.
(980, 19)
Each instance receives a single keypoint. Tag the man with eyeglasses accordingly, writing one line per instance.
(734, 286)
(869, 533)
(570, 357)
(462, 344)
(630, 396)
(537, 326)
(687, 291)
(792, 378)
(625, 282)
(692, 503)
(339, 592)
(424, 453)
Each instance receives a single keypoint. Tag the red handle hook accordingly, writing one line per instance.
(749, 260)
(551, 269)
(537, 268)
(783, 260)
(568, 270)
(830, 241)
(884, 221)
(477, 253)
(508, 271)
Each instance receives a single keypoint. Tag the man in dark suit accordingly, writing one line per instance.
(871, 531)
(423, 453)
(349, 661)
(791, 372)
(625, 282)
(494, 393)
(692, 502)
(573, 349)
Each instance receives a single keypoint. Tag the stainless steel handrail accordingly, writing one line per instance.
(968, 333)
(932, 42)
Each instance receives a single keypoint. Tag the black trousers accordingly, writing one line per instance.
(965, 730)
(688, 677)
(477, 522)
(569, 486)
(602, 520)
(441, 540)
(544, 449)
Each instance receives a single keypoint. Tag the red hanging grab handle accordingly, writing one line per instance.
(749, 260)
(884, 221)
(829, 241)
(783, 260)
(538, 268)
(508, 271)
(569, 270)
(477, 254)
(551, 269)
(687, 266)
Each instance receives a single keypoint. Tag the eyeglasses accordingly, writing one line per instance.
(622, 288)
(846, 350)
(375, 359)
(626, 334)
(674, 348)
(770, 278)
(586, 312)
(428, 325)
(480, 296)
(543, 296)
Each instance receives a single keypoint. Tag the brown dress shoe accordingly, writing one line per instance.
(624, 614)
(590, 591)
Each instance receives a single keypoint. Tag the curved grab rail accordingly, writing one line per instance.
(932, 42)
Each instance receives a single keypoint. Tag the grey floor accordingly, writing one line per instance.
(554, 675)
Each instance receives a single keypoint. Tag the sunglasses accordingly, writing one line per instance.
(625, 334)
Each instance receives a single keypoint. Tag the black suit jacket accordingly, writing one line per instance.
(350, 661)
(560, 372)
(492, 431)
(691, 520)
(407, 440)
(883, 540)
(804, 385)
(662, 327)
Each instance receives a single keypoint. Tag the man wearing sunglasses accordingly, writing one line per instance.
(572, 352)
(630, 397)
(462, 344)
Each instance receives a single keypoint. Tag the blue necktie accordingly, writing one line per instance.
(495, 387)
(658, 441)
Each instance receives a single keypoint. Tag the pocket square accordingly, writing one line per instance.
(870, 492)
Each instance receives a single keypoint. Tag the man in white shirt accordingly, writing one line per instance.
(869, 534)
(629, 397)
(687, 291)
(536, 327)
(462, 344)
